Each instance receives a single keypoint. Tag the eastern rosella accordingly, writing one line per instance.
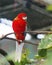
(19, 26)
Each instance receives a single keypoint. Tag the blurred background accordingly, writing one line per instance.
(39, 14)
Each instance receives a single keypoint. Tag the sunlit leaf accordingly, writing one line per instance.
(49, 7)
(46, 42)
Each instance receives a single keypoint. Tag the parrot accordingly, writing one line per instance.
(19, 26)
(6, 27)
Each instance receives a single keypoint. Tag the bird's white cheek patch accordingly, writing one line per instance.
(24, 18)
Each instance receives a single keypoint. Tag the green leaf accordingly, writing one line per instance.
(42, 52)
(49, 7)
(46, 42)
(45, 49)
(48, 60)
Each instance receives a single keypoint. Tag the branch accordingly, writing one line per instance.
(39, 32)
(32, 32)
(5, 36)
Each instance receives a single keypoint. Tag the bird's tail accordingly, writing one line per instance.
(18, 52)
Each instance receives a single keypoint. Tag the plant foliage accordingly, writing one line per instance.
(45, 50)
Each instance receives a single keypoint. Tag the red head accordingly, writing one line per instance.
(22, 16)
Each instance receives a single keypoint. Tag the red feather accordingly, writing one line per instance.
(19, 26)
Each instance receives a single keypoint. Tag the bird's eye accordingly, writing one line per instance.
(24, 18)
